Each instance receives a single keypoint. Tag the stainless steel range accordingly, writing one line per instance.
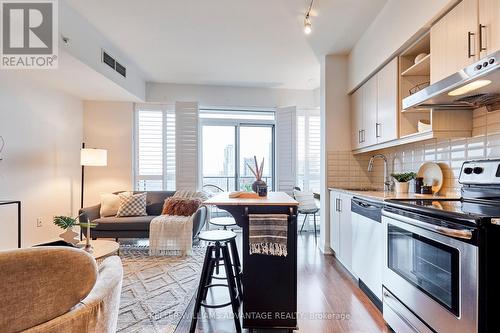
(440, 272)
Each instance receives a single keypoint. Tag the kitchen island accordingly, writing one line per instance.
(269, 282)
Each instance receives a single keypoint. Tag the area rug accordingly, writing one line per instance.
(156, 290)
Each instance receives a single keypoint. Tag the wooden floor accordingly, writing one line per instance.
(325, 289)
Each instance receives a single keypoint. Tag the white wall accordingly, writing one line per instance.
(398, 22)
(335, 128)
(217, 96)
(109, 125)
(43, 131)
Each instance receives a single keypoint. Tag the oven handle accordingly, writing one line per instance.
(458, 233)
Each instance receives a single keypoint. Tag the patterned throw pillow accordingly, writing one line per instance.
(180, 206)
(132, 205)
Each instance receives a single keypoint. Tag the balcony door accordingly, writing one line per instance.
(229, 147)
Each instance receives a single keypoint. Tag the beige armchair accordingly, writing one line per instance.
(58, 289)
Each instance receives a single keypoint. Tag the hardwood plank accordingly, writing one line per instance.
(328, 299)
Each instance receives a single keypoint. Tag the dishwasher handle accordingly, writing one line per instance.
(368, 209)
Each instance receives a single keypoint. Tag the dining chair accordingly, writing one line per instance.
(307, 206)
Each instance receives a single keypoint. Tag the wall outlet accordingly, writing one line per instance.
(39, 222)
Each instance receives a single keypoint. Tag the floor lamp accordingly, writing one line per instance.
(90, 157)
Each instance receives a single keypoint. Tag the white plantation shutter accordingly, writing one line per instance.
(149, 150)
(308, 152)
(155, 148)
(169, 179)
(286, 148)
(187, 146)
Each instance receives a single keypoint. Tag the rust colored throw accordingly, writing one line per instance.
(268, 234)
(180, 206)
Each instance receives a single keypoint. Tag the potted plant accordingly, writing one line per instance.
(70, 236)
(402, 181)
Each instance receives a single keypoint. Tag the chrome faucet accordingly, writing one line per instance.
(387, 179)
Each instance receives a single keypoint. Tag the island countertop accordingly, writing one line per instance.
(272, 199)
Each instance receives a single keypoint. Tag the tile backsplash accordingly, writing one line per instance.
(346, 170)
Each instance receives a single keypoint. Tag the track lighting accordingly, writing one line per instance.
(307, 20)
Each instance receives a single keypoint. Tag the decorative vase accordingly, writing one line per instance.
(401, 187)
(256, 184)
(71, 237)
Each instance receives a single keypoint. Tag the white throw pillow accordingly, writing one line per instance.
(110, 203)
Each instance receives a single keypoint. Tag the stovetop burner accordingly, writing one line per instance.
(481, 208)
(470, 211)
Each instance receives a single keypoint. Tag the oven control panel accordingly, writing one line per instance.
(482, 172)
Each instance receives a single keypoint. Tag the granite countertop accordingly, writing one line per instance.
(381, 195)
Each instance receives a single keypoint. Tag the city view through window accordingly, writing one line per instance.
(229, 150)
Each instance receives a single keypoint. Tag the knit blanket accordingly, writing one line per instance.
(171, 235)
(268, 234)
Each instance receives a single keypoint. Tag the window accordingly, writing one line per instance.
(308, 149)
(154, 148)
(230, 139)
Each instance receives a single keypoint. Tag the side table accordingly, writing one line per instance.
(18, 203)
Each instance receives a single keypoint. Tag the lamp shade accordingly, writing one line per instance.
(93, 157)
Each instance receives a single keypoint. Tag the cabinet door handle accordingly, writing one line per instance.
(378, 127)
(364, 135)
(340, 205)
(469, 44)
(337, 205)
(481, 35)
(359, 136)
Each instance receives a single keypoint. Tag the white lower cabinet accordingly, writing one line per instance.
(357, 241)
(368, 252)
(340, 227)
(334, 222)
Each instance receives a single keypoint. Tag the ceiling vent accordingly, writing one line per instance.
(111, 62)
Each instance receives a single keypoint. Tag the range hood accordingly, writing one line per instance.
(475, 86)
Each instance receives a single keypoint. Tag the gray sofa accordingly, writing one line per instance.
(136, 226)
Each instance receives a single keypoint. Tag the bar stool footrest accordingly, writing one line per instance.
(215, 306)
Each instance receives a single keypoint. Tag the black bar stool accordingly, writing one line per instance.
(218, 249)
(223, 222)
(226, 222)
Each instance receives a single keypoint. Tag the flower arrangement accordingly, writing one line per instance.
(67, 223)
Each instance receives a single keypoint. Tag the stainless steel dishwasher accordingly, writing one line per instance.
(368, 247)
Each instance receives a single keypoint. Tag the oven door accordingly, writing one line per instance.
(431, 273)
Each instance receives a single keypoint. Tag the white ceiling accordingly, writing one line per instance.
(258, 43)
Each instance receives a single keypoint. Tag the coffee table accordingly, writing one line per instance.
(102, 248)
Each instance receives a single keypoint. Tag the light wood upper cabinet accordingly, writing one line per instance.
(374, 108)
(357, 118)
(455, 40)
(489, 20)
(387, 103)
(370, 111)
